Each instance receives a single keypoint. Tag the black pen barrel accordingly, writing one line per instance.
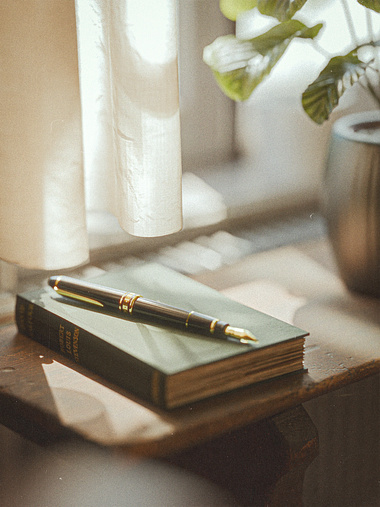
(136, 306)
(192, 321)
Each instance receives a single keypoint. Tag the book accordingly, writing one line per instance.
(169, 368)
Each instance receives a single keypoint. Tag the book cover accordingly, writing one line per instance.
(167, 367)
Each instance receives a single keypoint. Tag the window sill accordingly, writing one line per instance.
(227, 196)
(224, 204)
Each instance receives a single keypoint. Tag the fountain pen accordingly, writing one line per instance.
(132, 305)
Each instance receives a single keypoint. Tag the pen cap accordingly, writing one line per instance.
(86, 291)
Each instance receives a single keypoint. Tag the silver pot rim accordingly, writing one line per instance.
(361, 127)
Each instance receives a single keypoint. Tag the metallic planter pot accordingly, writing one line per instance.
(351, 200)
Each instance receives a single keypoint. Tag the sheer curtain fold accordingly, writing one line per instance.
(105, 133)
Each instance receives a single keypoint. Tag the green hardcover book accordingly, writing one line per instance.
(167, 367)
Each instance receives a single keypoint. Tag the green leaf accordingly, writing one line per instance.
(284, 32)
(238, 83)
(371, 4)
(232, 8)
(283, 10)
(322, 96)
(240, 66)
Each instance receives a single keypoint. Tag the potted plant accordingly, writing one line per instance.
(351, 197)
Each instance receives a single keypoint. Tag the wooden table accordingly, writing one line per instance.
(44, 396)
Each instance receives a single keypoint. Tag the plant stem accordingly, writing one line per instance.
(369, 25)
(321, 50)
(350, 22)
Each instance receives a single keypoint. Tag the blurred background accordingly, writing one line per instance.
(252, 175)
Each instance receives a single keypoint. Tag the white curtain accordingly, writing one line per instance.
(102, 135)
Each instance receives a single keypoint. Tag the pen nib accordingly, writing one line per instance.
(242, 335)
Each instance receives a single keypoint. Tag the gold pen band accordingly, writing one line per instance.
(212, 324)
(127, 302)
(187, 320)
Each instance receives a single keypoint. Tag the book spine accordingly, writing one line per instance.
(86, 349)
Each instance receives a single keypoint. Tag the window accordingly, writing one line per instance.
(240, 161)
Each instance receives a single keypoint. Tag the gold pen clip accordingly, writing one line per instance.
(71, 295)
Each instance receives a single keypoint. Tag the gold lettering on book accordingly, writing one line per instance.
(68, 343)
(61, 336)
(76, 344)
